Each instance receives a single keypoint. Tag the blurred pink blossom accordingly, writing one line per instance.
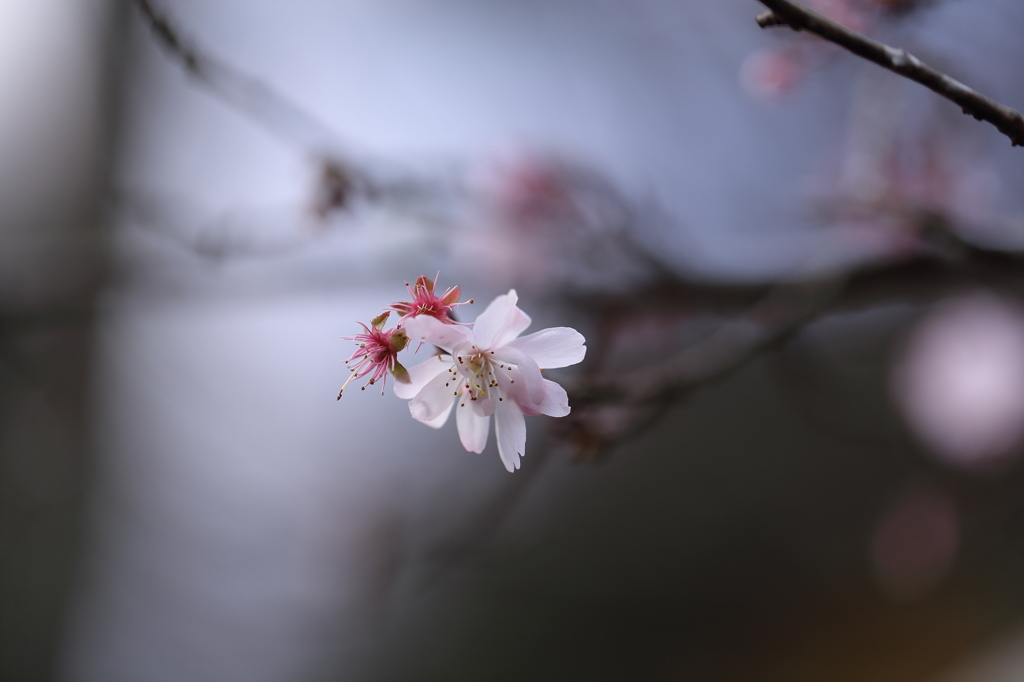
(770, 74)
(960, 380)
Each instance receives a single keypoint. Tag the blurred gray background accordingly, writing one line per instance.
(183, 498)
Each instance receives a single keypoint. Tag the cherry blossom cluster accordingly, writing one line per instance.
(483, 368)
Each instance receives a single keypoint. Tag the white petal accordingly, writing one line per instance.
(473, 428)
(517, 323)
(459, 351)
(555, 403)
(440, 421)
(494, 319)
(421, 374)
(431, 330)
(510, 429)
(528, 368)
(434, 399)
(510, 380)
(553, 347)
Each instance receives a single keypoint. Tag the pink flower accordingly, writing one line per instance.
(490, 370)
(425, 302)
(377, 353)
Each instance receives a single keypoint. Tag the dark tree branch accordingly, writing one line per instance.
(787, 13)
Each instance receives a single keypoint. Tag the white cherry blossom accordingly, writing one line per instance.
(488, 369)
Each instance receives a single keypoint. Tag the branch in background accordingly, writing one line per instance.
(243, 92)
(344, 178)
(568, 195)
(610, 408)
(787, 13)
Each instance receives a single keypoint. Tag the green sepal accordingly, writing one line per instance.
(401, 374)
(399, 340)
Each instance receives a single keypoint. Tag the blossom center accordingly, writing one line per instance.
(477, 370)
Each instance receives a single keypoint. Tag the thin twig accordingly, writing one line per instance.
(1009, 121)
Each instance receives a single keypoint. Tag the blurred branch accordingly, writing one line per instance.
(719, 354)
(243, 92)
(344, 177)
(612, 407)
(787, 13)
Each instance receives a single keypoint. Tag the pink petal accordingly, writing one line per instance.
(451, 297)
(516, 325)
(554, 404)
(494, 319)
(431, 330)
(553, 347)
(473, 428)
(529, 369)
(510, 429)
(421, 374)
(432, 400)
